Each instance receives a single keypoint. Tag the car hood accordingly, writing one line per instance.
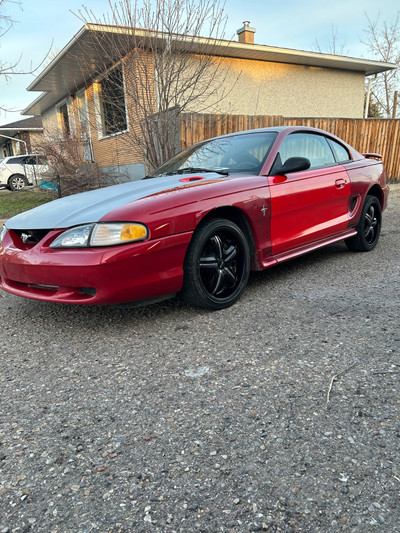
(92, 206)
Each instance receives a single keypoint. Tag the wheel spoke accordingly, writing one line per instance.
(208, 263)
(230, 253)
(215, 285)
(230, 275)
(369, 231)
(216, 245)
(372, 212)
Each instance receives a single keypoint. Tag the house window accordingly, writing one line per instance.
(63, 119)
(111, 99)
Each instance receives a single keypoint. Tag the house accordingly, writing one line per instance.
(21, 137)
(262, 80)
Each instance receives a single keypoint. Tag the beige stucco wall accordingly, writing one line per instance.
(263, 88)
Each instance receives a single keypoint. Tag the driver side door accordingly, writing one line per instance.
(309, 205)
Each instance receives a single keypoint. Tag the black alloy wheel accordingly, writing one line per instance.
(217, 265)
(369, 227)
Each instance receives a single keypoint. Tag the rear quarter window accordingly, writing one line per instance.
(341, 154)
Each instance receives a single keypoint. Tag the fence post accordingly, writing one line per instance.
(58, 186)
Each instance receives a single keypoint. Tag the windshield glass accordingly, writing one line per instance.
(239, 153)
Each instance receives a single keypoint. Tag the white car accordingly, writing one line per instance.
(20, 171)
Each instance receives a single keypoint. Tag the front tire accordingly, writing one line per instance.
(368, 228)
(17, 182)
(217, 265)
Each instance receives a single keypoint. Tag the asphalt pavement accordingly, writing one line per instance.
(280, 413)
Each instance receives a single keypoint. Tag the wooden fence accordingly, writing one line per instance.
(380, 136)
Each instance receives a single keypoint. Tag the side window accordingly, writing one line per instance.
(310, 145)
(31, 160)
(16, 160)
(341, 154)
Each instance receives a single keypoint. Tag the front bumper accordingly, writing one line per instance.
(96, 276)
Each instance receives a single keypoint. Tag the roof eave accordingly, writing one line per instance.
(55, 86)
(21, 129)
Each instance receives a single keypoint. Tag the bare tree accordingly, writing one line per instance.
(167, 68)
(66, 167)
(6, 23)
(332, 45)
(383, 40)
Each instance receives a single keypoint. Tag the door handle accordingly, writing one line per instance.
(340, 183)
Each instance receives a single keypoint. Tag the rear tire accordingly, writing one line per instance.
(217, 265)
(17, 182)
(368, 228)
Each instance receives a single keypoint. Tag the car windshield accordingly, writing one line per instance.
(244, 153)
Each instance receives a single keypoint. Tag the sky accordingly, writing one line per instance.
(41, 25)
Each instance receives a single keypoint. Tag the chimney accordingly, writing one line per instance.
(246, 34)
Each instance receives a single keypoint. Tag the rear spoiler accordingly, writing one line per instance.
(373, 156)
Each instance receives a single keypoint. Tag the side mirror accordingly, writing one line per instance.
(293, 164)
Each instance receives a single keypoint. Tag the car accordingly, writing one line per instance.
(20, 171)
(200, 223)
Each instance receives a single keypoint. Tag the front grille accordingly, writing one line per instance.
(31, 236)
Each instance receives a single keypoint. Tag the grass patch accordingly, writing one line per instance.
(12, 203)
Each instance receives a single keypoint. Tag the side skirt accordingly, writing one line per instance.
(273, 260)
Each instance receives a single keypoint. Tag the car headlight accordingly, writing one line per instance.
(101, 234)
(3, 231)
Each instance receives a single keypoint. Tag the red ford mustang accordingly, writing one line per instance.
(200, 223)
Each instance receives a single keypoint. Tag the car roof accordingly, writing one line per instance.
(278, 129)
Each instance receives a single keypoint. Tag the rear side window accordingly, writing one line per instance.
(341, 154)
(30, 160)
(15, 160)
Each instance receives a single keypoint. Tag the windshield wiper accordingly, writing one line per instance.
(188, 170)
(222, 171)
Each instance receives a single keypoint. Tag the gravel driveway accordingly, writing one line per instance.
(167, 418)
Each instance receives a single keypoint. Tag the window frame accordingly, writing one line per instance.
(98, 104)
(67, 132)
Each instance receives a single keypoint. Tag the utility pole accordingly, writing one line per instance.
(367, 98)
(394, 104)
